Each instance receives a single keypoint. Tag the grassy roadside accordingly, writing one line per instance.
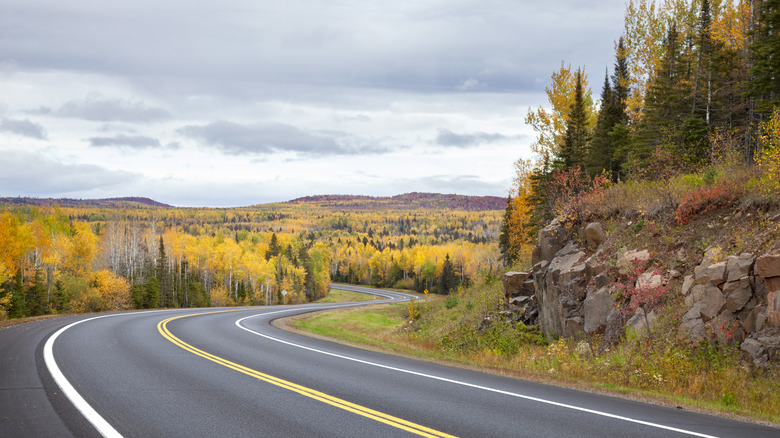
(387, 328)
(343, 296)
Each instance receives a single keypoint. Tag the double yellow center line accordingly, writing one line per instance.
(414, 428)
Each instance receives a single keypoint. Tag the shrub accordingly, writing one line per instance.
(702, 200)
(451, 301)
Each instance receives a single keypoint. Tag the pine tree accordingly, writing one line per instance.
(504, 239)
(599, 156)
(152, 293)
(572, 153)
(765, 53)
(447, 279)
(667, 105)
(273, 248)
(164, 276)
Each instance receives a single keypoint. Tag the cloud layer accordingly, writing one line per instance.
(236, 102)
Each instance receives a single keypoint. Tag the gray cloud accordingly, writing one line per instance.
(449, 138)
(267, 138)
(133, 142)
(102, 109)
(33, 174)
(469, 184)
(431, 46)
(24, 128)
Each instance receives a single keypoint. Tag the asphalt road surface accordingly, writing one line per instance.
(230, 373)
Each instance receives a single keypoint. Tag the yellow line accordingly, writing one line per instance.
(162, 327)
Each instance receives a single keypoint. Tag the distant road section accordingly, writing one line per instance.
(230, 373)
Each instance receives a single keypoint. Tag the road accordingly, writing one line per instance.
(231, 373)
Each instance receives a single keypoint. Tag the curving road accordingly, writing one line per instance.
(230, 373)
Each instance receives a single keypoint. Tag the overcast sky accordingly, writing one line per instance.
(239, 102)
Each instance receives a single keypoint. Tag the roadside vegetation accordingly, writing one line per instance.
(466, 329)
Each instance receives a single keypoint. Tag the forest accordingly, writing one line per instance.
(132, 253)
(687, 120)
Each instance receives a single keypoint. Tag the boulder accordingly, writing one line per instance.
(514, 283)
(629, 260)
(650, 280)
(692, 325)
(768, 265)
(596, 264)
(594, 235)
(596, 309)
(700, 274)
(749, 324)
(753, 352)
(737, 293)
(739, 266)
(712, 302)
(687, 285)
(716, 273)
(695, 295)
(565, 260)
(601, 280)
(549, 241)
(638, 323)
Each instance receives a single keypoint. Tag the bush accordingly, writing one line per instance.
(451, 301)
(702, 200)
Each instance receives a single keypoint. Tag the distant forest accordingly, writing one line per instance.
(63, 256)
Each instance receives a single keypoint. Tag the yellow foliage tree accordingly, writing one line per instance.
(646, 24)
(770, 154)
(82, 250)
(550, 124)
(219, 297)
(520, 220)
(114, 291)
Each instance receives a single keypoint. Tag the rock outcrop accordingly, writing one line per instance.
(571, 292)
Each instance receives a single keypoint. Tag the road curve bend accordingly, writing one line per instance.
(230, 372)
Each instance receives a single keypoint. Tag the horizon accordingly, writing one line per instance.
(275, 102)
(141, 199)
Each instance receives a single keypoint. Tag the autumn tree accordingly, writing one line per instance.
(551, 123)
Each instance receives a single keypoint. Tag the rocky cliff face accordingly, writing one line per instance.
(577, 287)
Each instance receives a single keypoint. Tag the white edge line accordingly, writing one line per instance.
(102, 426)
(471, 385)
(78, 401)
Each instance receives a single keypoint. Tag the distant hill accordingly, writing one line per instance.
(407, 201)
(67, 202)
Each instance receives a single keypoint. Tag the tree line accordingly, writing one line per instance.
(57, 260)
(692, 82)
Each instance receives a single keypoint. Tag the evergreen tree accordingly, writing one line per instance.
(273, 248)
(447, 280)
(16, 306)
(601, 150)
(152, 293)
(764, 86)
(504, 242)
(667, 105)
(164, 277)
(572, 153)
(36, 295)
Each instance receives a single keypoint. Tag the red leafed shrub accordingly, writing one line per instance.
(703, 200)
